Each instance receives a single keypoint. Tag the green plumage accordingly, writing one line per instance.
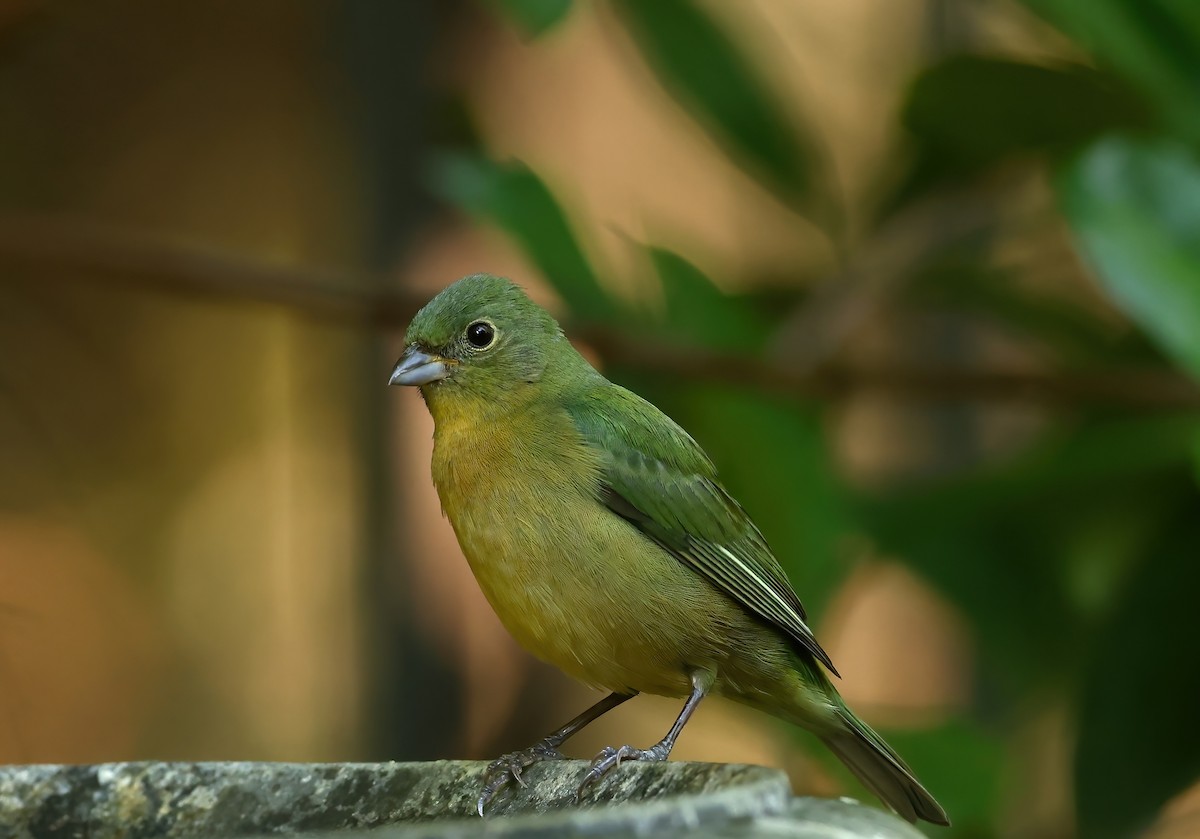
(600, 533)
(655, 476)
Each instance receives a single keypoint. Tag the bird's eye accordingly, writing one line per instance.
(481, 334)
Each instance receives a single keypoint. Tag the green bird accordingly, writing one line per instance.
(601, 535)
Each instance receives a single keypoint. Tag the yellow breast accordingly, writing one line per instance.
(570, 581)
(507, 487)
(573, 583)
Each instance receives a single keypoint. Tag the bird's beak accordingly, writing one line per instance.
(417, 368)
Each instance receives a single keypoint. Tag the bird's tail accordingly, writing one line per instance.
(881, 770)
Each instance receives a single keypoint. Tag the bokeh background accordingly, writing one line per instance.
(923, 276)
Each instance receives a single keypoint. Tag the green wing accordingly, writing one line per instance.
(656, 477)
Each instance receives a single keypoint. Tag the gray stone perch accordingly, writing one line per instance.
(405, 800)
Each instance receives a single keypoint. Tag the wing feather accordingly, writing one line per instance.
(656, 477)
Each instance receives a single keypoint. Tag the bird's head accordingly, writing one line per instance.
(480, 338)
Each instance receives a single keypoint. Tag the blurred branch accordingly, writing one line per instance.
(47, 249)
(848, 299)
(74, 251)
(1145, 389)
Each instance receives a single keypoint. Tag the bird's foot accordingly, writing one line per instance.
(612, 757)
(510, 766)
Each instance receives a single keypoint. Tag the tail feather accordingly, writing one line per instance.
(882, 771)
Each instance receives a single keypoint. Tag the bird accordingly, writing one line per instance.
(601, 535)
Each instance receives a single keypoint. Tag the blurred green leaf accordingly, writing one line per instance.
(513, 198)
(1196, 458)
(700, 65)
(1134, 210)
(993, 541)
(534, 17)
(1064, 461)
(698, 312)
(970, 111)
(995, 295)
(1155, 44)
(1108, 536)
(1138, 739)
(997, 573)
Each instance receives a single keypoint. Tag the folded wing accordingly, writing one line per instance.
(656, 477)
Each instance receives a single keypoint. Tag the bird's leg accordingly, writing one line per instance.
(509, 767)
(610, 758)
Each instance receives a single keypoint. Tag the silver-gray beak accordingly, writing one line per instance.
(417, 368)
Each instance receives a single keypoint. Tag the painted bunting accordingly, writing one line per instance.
(603, 538)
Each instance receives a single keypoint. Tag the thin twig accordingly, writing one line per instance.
(1143, 389)
(74, 251)
(848, 299)
(50, 249)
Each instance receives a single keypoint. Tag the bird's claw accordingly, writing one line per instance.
(509, 768)
(611, 757)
